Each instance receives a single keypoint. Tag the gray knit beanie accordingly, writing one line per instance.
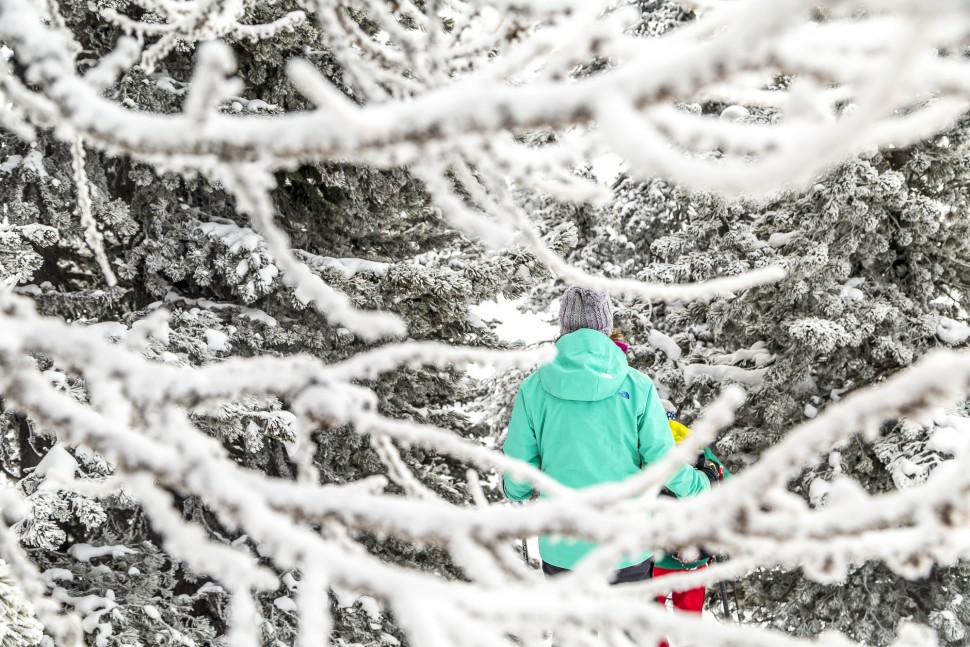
(585, 308)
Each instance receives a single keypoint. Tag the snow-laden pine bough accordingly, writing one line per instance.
(455, 96)
(138, 417)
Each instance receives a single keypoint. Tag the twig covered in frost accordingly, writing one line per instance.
(497, 201)
(250, 186)
(369, 364)
(92, 235)
(751, 517)
(397, 470)
(212, 83)
(203, 20)
(691, 60)
(462, 101)
(418, 106)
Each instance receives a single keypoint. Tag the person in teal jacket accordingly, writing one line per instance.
(587, 418)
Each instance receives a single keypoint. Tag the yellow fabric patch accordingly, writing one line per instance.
(678, 430)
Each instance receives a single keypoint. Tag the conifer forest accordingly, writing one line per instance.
(272, 273)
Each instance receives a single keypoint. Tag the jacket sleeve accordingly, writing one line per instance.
(655, 441)
(520, 442)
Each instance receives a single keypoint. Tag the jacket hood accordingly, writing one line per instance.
(588, 367)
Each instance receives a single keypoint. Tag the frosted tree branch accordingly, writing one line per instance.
(417, 103)
(751, 517)
(251, 188)
(92, 235)
(458, 109)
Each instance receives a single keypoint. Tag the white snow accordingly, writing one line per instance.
(607, 167)
(87, 552)
(92, 621)
(57, 465)
(949, 440)
(110, 329)
(156, 327)
(758, 353)
(664, 343)
(167, 84)
(29, 289)
(370, 607)
(210, 587)
(152, 612)
(290, 582)
(516, 325)
(267, 273)
(734, 113)
(236, 238)
(86, 605)
(52, 575)
(257, 104)
(817, 491)
(285, 604)
(35, 161)
(348, 266)
(851, 291)
(12, 162)
(513, 325)
(250, 313)
(779, 239)
(835, 462)
(345, 598)
(216, 340)
(952, 332)
(721, 373)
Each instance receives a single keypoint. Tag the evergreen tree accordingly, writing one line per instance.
(18, 627)
(876, 254)
(877, 257)
(196, 285)
(173, 258)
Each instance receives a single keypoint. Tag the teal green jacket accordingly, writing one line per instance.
(587, 418)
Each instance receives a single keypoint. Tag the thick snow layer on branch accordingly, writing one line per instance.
(665, 344)
(85, 552)
(952, 332)
(722, 373)
(630, 109)
(461, 107)
(752, 517)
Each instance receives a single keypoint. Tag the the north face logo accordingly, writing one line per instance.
(624, 394)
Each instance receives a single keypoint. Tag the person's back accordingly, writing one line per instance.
(587, 418)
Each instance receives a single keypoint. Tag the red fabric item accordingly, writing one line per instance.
(691, 600)
(623, 346)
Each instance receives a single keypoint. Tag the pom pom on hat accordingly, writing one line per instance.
(585, 308)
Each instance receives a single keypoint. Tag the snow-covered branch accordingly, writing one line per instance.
(752, 517)
(692, 59)
(874, 80)
(482, 102)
